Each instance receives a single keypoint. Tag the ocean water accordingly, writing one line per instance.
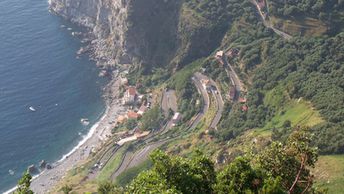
(38, 67)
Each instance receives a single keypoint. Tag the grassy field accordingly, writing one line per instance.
(329, 173)
(298, 111)
(112, 165)
(125, 177)
(305, 26)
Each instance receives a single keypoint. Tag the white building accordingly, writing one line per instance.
(130, 95)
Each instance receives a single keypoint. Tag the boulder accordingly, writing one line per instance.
(42, 164)
(48, 166)
(32, 169)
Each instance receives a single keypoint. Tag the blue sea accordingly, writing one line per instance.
(38, 68)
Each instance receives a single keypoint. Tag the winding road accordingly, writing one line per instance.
(206, 100)
(217, 96)
(269, 25)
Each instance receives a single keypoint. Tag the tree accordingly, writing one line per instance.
(151, 119)
(176, 175)
(238, 177)
(291, 162)
(131, 124)
(24, 184)
(66, 189)
(108, 188)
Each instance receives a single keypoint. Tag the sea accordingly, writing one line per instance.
(39, 69)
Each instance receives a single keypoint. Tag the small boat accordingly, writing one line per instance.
(32, 108)
(85, 121)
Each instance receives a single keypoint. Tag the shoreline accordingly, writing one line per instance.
(98, 134)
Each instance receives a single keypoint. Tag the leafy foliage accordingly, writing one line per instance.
(281, 168)
(24, 184)
(151, 119)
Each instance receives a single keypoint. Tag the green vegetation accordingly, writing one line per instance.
(329, 173)
(328, 11)
(300, 26)
(152, 119)
(127, 176)
(303, 67)
(280, 168)
(110, 167)
(24, 184)
(186, 90)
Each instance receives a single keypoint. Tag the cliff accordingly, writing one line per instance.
(149, 32)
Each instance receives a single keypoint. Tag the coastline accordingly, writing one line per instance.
(98, 134)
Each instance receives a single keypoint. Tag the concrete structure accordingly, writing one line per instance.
(206, 84)
(130, 95)
(176, 118)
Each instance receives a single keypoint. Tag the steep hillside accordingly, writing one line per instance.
(265, 84)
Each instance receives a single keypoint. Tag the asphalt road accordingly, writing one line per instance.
(219, 105)
(269, 25)
(238, 85)
(169, 101)
(197, 81)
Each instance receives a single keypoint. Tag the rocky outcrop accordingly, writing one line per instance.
(124, 30)
(106, 19)
(149, 32)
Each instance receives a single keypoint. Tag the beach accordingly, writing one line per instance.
(97, 136)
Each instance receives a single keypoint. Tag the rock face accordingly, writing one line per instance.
(123, 30)
(42, 164)
(154, 33)
(32, 169)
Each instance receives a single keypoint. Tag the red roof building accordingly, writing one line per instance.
(130, 95)
(242, 100)
(132, 115)
(244, 108)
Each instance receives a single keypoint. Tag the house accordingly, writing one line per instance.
(176, 118)
(141, 135)
(142, 110)
(130, 95)
(206, 84)
(124, 81)
(244, 108)
(121, 119)
(242, 100)
(219, 56)
(232, 52)
(132, 115)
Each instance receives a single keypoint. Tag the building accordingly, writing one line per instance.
(121, 119)
(176, 118)
(242, 100)
(232, 93)
(206, 84)
(142, 110)
(130, 95)
(142, 134)
(232, 52)
(219, 56)
(132, 115)
(244, 108)
(124, 81)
